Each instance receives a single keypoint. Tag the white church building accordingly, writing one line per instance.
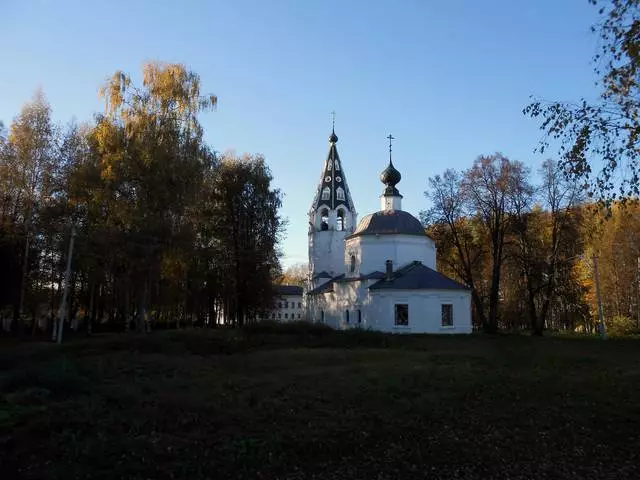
(380, 275)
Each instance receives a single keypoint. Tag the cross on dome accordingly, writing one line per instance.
(390, 176)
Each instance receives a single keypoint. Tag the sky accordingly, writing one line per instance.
(448, 79)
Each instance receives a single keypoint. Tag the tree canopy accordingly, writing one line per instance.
(600, 140)
(167, 230)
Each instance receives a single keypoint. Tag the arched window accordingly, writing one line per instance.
(340, 223)
(340, 193)
(324, 219)
(326, 193)
(346, 316)
(359, 316)
(352, 267)
(322, 316)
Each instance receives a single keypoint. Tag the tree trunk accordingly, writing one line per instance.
(534, 320)
(23, 284)
(491, 326)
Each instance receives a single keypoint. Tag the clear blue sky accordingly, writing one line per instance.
(448, 78)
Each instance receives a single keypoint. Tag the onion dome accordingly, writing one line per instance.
(333, 138)
(390, 177)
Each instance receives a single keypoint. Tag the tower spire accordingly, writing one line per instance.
(333, 138)
(333, 190)
(332, 215)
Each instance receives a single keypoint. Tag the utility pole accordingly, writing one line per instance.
(65, 292)
(603, 333)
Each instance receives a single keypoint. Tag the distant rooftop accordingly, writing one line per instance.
(288, 290)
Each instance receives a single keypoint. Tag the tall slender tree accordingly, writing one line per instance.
(31, 169)
(486, 187)
(461, 251)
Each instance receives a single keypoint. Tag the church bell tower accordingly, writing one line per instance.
(332, 217)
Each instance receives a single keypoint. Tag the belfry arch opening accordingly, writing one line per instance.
(340, 220)
(324, 219)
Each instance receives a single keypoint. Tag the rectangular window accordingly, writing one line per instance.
(273, 316)
(286, 315)
(401, 315)
(279, 304)
(447, 315)
(299, 305)
(298, 316)
(286, 304)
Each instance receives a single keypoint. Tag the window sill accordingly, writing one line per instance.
(401, 327)
(447, 327)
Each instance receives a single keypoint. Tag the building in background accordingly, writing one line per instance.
(288, 304)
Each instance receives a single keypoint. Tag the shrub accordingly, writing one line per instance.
(60, 378)
(298, 327)
(621, 325)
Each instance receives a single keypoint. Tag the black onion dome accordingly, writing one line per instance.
(389, 222)
(333, 138)
(391, 177)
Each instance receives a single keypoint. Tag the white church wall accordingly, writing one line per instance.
(372, 251)
(350, 297)
(330, 308)
(425, 311)
(377, 309)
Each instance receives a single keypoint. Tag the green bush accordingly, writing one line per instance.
(60, 378)
(298, 327)
(621, 325)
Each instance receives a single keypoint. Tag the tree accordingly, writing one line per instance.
(486, 188)
(296, 274)
(247, 230)
(545, 237)
(616, 243)
(473, 212)
(460, 249)
(607, 130)
(151, 159)
(29, 161)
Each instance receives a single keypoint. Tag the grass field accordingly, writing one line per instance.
(230, 404)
